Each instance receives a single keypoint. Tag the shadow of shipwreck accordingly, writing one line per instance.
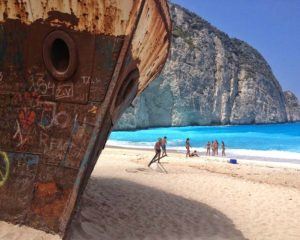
(120, 209)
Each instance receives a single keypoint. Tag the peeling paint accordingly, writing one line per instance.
(96, 16)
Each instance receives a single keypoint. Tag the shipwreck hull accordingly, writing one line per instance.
(68, 69)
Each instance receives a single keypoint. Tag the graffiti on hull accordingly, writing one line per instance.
(68, 69)
(4, 168)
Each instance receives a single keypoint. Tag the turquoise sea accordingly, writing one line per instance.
(278, 142)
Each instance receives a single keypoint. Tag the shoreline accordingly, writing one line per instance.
(241, 159)
(278, 143)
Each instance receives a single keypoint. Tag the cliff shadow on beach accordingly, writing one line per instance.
(120, 209)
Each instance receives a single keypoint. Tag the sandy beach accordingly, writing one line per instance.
(198, 198)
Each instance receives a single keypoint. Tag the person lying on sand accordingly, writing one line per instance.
(194, 154)
(157, 149)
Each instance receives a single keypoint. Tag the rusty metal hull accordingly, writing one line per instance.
(68, 69)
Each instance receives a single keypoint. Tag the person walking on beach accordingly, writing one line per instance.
(208, 145)
(157, 148)
(164, 147)
(188, 148)
(223, 149)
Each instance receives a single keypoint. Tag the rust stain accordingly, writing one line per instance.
(48, 203)
(63, 18)
(98, 16)
(49, 200)
(46, 191)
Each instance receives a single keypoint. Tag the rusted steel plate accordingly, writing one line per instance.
(97, 16)
(16, 193)
(68, 69)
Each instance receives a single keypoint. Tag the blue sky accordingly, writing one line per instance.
(271, 26)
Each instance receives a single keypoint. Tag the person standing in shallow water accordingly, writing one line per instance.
(213, 148)
(217, 148)
(164, 147)
(188, 148)
(223, 149)
(208, 145)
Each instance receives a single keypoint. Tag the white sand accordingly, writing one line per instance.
(197, 199)
(12, 232)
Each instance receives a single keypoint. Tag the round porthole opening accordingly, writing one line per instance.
(128, 88)
(60, 55)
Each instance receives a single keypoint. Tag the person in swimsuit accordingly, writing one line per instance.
(223, 149)
(157, 148)
(213, 148)
(217, 147)
(208, 145)
(188, 148)
(164, 147)
(195, 154)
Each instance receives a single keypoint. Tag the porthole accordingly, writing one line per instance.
(128, 89)
(60, 55)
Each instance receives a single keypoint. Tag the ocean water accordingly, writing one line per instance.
(278, 142)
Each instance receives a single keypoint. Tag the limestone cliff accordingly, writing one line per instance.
(209, 78)
(292, 106)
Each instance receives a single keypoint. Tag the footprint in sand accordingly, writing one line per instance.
(137, 170)
(146, 170)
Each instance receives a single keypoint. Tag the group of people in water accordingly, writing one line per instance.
(160, 147)
(212, 148)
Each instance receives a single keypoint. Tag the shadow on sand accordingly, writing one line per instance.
(119, 209)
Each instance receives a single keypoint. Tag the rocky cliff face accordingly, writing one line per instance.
(208, 79)
(292, 106)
